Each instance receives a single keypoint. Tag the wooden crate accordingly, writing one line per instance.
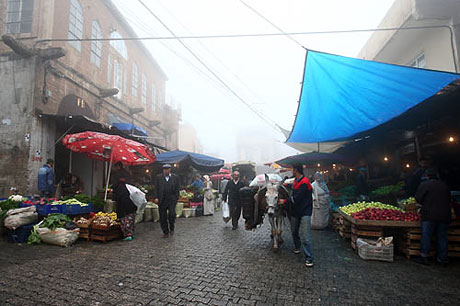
(344, 235)
(84, 234)
(366, 232)
(334, 220)
(104, 234)
(409, 242)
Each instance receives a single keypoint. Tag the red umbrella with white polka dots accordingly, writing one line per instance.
(111, 148)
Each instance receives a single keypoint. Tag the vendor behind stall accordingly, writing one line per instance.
(198, 182)
(120, 173)
(362, 189)
(70, 185)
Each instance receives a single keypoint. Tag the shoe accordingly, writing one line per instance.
(171, 233)
(422, 261)
(309, 263)
(443, 263)
(296, 251)
(166, 235)
(234, 227)
(129, 238)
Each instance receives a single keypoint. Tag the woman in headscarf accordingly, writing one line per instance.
(320, 215)
(208, 205)
(126, 210)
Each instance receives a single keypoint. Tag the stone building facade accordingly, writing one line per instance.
(41, 95)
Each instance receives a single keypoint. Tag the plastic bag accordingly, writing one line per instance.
(15, 218)
(225, 211)
(60, 236)
(137, 196)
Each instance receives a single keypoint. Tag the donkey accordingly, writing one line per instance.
(271, 194)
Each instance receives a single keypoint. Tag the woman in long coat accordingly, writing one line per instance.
(208, 197)
(320, 215)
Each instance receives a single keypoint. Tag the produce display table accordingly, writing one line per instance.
(372, 229)
(378, 223)
(407, 234)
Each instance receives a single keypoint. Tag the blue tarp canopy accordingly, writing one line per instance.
(198, 161)
(344, 96)
(137, 130)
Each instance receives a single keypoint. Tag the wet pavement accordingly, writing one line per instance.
(207, 263)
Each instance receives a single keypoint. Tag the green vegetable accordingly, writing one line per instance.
(386, 190)
(34, 238)
(97, 202)
(53, 221)
(7, 205)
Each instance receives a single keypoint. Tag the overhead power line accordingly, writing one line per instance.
(242, 35)
(209, 68)
(271, 23)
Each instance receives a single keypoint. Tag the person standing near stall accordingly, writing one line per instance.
(208, 209)
(126, 210)
(46, 179)
(320, 214)
(167, 194)
(434, 196)
(232, 195)
(362, 189)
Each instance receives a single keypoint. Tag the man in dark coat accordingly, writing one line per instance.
(434, 196)
(167, 194)
(232, 195)
(301, 207)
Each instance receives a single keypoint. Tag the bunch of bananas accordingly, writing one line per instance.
(112, 216)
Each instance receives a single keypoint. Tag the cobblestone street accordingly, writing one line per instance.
(208, 263)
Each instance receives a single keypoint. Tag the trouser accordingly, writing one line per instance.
(235, 212)
(128, 225)
(428, 229)
(167, 215)
(301, 234)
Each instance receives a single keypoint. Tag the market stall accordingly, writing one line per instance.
(373, 220)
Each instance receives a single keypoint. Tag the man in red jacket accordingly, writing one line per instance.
(301, 204)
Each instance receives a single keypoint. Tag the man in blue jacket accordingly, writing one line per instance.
(301, 204)
(46, 179)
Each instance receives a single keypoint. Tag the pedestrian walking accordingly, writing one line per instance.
(301, 210)
(320, 214)
(167, 194)
(208, 205)
(434, 196)
(126, 210)
(46, 179)
(232, 196)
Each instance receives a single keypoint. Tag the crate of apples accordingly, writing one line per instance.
(385, 215)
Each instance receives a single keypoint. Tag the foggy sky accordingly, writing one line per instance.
(265, 71)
